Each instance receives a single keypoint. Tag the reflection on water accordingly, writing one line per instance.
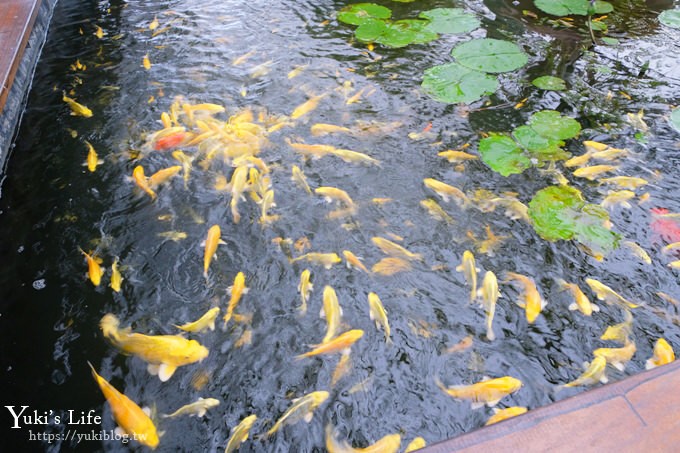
(269, 58)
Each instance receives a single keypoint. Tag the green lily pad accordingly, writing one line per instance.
(450, 20)
(452, 83)
(549, 83)
(490, 55)
(675, 119)
(559, 212)
(670, 18)
(598, 26)
(418, 28)
(572, 7)
(540, 147)
(360, 13)
(550, 124)
(503, 155)
(370, 31)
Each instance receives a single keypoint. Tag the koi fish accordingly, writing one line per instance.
(306, 106)
(175, 236)
(186, 162)
(128, 415)
(327, 260)
(162, 176)
(457, 156)
(305, 287)
(377, 313)
(170, 141)
(332, 311)
(352, 157)
(415, 444)
(92, 158)
(163, 353)
(391, 265)
(353, 261)
(198, 408)
(395, 250)
(592, 146)
(239, 433)
(76, 109)
(300, 179)
(146, 63)
(618, 197)
(236, 291)
(341, 343)
(488, 392)
(302, 408)
(581, 301)
(638, 251)
(142, 182)
(436, 211)
(620, 332)
(664, 228)
(210, 244)
(388, 444)
(594, 171)
(324, 129)
(238, 186)
(617, 357)
(504, 414)
(447, 192)
(663, 354)
(627, 182)
(116, 278)
(594, 373)
(333, 193)
(533, 302)
(315, 151)
(469, 270)
(605, 293)
(207, 321)
(490, 294)
(154, 24)
(94, 270)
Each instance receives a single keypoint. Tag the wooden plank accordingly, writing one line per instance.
(16, 22)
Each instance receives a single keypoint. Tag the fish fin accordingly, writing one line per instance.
(308, 416)
(340, 310)
(310, 288)
(595, 307)
(202, 244)
(211, 326)
(604, 379)
(120, 432)
(371, 316)
(322, 313)
(477, 405)
(492, 403)
(543, 303)
(201, 412)
(245, 290)
(649, 364)
(230, 289)
(573, 306)
(165, 371)
(619, 366)
(459, 268)
(490, 335)
(221, 242)
(626, 205)
(152, 368)
(147, 410)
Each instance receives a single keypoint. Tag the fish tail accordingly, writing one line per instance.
(109, 325)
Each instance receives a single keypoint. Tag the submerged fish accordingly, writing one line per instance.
(504, 414)
(162, 176)
(354, 261)
(332, 311)
(302, 408)
(391, 265)
(594, 171)
(306, 106)
(415, 444)
(94, 270)
(489, 293)
(663, 354)
(327, 260)
(341, 343)
(116, 278)
(76, 109)
(350, 156)
(469, 270)
(395, 250)
(128, 415)
(305, 287)
(236, 291)
(436, 211)
(300, 179)
(628, 182)
(198, 408)
(211, 242)
(594, 373)
(92, 159)
(533, 303)
(163, 353)
(207, 321)
(239, 433)
(620, 332)
(377, 313)
(605, 293)
(617, 357)
(323, 129)
(447, 192)
(388, 444)
(488, 392)
(581, 301)
(142, 181)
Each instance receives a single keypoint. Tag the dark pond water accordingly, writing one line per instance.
(51, 205)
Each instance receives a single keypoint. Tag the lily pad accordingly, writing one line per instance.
(559, 212)
(551, 124)
(450, 20)
(670, 18)
(540, 147)
(417, 28)
(370, 31)
(490, 55)
(360, 13)
(549, 83)
(452, 83)
(572, 7)
(503, 155)
(675, 119)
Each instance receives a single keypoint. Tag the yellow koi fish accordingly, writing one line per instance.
(236, 291)
(99, 33)
(94, 270)
(627, 182)
(327, 260)
(618, 197)
(302, 409)
(163, 353)
(670, 247)
(605, 293)
(395, 250)
(128, 415)
(377, 313)
(315, 151)
(415, 444)
(186, 162)
(341, 343)
(207, 321)
(210, 244)
(175, 236)
(490, 294)
(333, 193)
(305, 287)
(198, 408)
(162, 176)
(620, 332)
(300, 179)
(436, 211)
(354, 157)
(388, 444)
(578, 161)
(239, 433)
(142, 182)
(447, 192)
(238, 186)
(324, 129)
(617, 357)
(154, 24)
(353, 261)
(296, 71)
(663, 354)
(610, 154)
(92, 158)
(469, 270)
(504, 414)
(332, 311)
(306, 106)
(638, 251)
(456, 157)
(146, 63)
(391, 265)
(488, 392)
(116, 278)
(592, 146)
(594, 171)
(594, 373)
(581, 301)
(76, 109)
(533, 302)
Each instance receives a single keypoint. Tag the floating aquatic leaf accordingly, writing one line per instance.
(370, 31)
(453, 83)
(450, 20)
(572, 7)
(551, 124)
(414, 28)
(549, 83)
(670, 18)
(540, 147)
(559, 212)
(503, 155)
(490, 55)
(360, 13)
(675, 119)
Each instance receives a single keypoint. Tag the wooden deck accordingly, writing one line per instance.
(16, 22)
(641, 413)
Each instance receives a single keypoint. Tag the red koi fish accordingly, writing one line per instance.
(169, 141)
(664, 228)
